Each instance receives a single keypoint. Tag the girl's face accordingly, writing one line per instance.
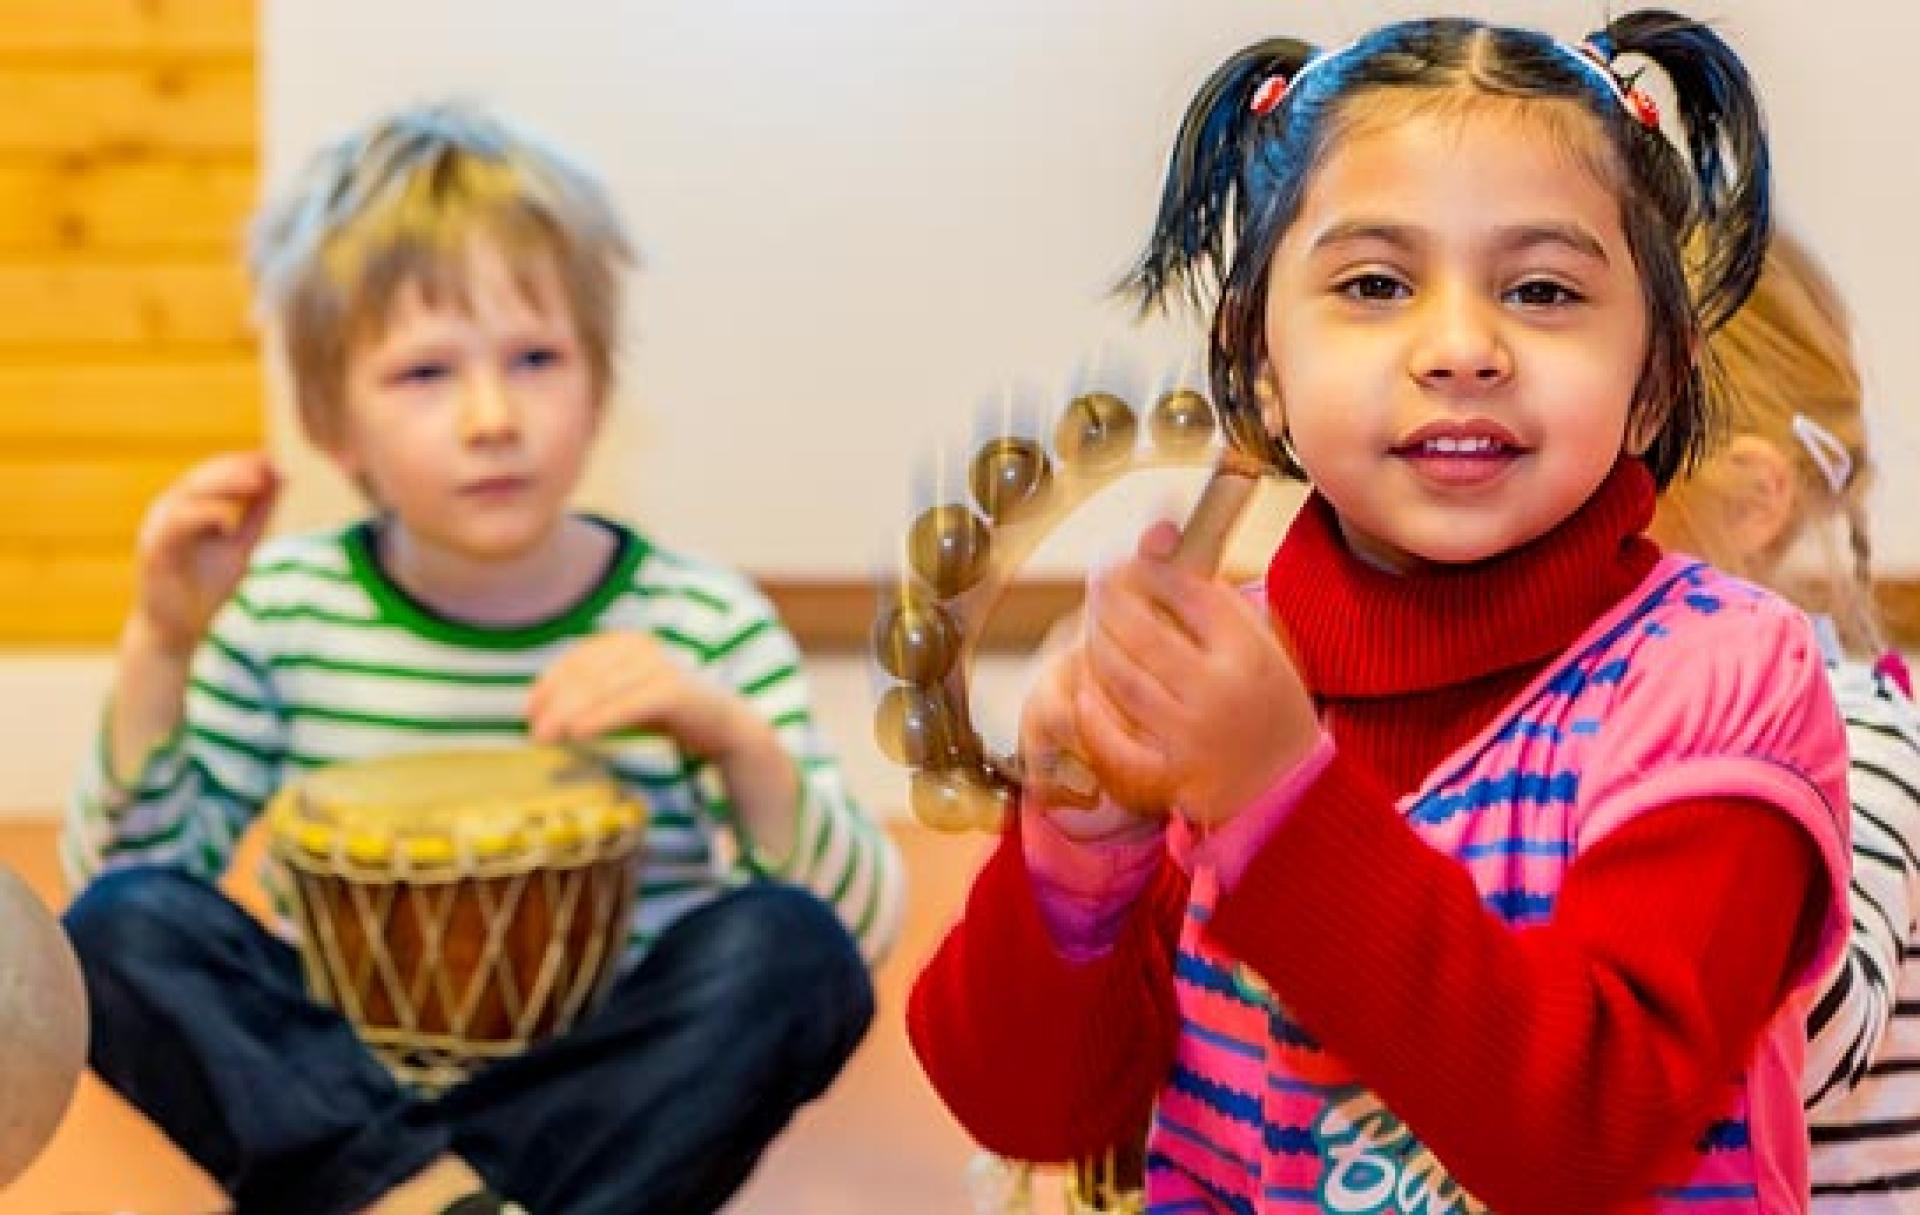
(1455, 328)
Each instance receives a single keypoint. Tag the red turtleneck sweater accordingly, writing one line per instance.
(1574, 1059)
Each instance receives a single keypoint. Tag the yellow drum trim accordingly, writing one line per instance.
(436, 809)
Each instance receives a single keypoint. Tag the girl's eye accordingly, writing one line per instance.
(1374, 288)
(1543, 293)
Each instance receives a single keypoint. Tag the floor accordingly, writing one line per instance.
(879, 1142)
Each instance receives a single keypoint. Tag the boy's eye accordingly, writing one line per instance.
(427, 371)
(1374, 288)
(537, 358)
(1543, 293)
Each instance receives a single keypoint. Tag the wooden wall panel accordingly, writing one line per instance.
(93, 29)
(129, 146)
(92, 501)
(86, 110)
(107, 205)
(70, 595)
(123, 307)
(156, 401)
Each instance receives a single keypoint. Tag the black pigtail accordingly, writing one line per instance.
(1727, 142)
(1203, 205)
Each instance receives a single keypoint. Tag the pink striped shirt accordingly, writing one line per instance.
(1695, 686)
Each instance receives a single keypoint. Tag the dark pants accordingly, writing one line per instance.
(661, 1101)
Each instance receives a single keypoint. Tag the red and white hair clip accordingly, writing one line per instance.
(1270, 93)
(1632, 98)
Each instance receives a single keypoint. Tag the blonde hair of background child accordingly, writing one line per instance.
(1783, 368)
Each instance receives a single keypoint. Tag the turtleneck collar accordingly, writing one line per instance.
(1364, 632)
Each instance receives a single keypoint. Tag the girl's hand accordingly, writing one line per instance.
(1056, 777)
(1190, 699)
(194, 546)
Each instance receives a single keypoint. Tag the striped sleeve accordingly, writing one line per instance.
(1850, 1021)
(198, 790)
(839, 852)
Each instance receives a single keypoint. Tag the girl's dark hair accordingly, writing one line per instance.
(1236, 179)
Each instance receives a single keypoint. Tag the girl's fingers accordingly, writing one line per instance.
(1060, 778)
(1049, 744)
(1130, 686)
(1124, 609)
(1159, 541)
(1132, 767)
(1180, 599)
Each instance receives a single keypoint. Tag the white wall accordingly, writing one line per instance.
(863, 220)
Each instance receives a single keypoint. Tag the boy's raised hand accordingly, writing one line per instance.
(193, 550)
(194, 545)
(1190, 698)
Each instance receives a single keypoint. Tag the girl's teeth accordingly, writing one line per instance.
(1450, 447)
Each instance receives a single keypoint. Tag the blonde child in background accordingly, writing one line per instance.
(446, 289)
(1795, 469)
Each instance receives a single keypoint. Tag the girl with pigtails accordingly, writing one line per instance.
(1484, 857)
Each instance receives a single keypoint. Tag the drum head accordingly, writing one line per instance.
(441, 808)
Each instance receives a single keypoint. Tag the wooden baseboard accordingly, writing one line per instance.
(1899, 601)
(837, 615)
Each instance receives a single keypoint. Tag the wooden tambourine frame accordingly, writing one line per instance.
(961, 557)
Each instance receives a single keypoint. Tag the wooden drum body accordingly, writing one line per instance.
(457, 906)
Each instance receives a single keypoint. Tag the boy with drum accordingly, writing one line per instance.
(445, 290)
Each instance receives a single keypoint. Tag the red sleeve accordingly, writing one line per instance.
(1041, 1058)
(1577, 1061)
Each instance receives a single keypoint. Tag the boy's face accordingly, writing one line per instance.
(471, 419)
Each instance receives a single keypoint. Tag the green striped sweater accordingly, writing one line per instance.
(319, 658)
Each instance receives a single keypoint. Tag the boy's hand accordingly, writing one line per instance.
(1190, 699)
(625, 681)
(194, 545)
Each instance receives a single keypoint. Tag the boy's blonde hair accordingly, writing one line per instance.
(1788, 355)
(400, 202)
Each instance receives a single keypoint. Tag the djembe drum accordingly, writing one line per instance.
(960, 558)
(457, 906)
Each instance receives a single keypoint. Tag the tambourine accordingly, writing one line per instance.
(961, 556)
